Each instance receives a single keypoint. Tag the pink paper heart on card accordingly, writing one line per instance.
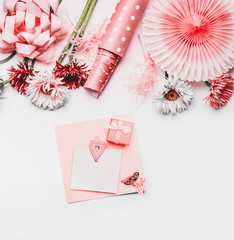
(97, 148)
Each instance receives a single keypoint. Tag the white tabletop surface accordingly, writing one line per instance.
(187, 160)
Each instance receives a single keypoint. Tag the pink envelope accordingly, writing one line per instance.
(81, 133)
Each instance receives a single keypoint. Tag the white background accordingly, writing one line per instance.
(187, 160)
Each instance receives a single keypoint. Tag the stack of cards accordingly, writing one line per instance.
(95, 167)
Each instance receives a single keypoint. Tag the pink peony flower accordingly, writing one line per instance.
(31, 27)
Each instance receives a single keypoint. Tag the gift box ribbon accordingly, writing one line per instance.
(120, 128)
(30, 28)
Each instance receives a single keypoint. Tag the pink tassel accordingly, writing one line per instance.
(143, 82)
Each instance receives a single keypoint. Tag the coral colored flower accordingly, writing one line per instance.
(175, 96)
(19, 76)
(73, 75)
(31, 28)
(46, 91)
(221, 90)
(191, 39)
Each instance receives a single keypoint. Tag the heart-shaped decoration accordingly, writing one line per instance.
(130, 180)
(97, 148)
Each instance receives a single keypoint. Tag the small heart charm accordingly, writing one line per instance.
(97, 148)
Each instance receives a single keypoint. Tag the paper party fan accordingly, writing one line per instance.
(191, 39)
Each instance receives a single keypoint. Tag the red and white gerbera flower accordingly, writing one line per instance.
(175, 96)
(19, 76)
(46, 91)
(221, 90)
(73, 75)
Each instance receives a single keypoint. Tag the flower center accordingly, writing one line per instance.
(172, 95)
(47, 90)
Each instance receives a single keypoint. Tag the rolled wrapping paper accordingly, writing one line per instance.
(114, 43)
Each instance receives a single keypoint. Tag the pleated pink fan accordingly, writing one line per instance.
(191, 39)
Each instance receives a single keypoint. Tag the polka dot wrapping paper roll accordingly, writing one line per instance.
(114, 43)
(122, 25)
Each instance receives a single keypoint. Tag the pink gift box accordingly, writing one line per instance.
(119, 132)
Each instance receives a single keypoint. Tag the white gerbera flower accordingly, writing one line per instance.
(46, 91)
(175, 96)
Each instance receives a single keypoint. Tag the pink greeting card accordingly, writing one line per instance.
(80, 134)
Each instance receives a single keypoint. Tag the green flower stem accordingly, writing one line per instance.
(75, 32)
(25, 60)
(6, 82)
(8, 58)
(208, 84)
(33, 63)
(93, 4)
(51, 9)
(87, 17)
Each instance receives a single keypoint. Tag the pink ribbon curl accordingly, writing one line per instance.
(140, 186)
(29, 28)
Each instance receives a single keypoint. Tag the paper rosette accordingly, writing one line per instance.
(191, 39)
